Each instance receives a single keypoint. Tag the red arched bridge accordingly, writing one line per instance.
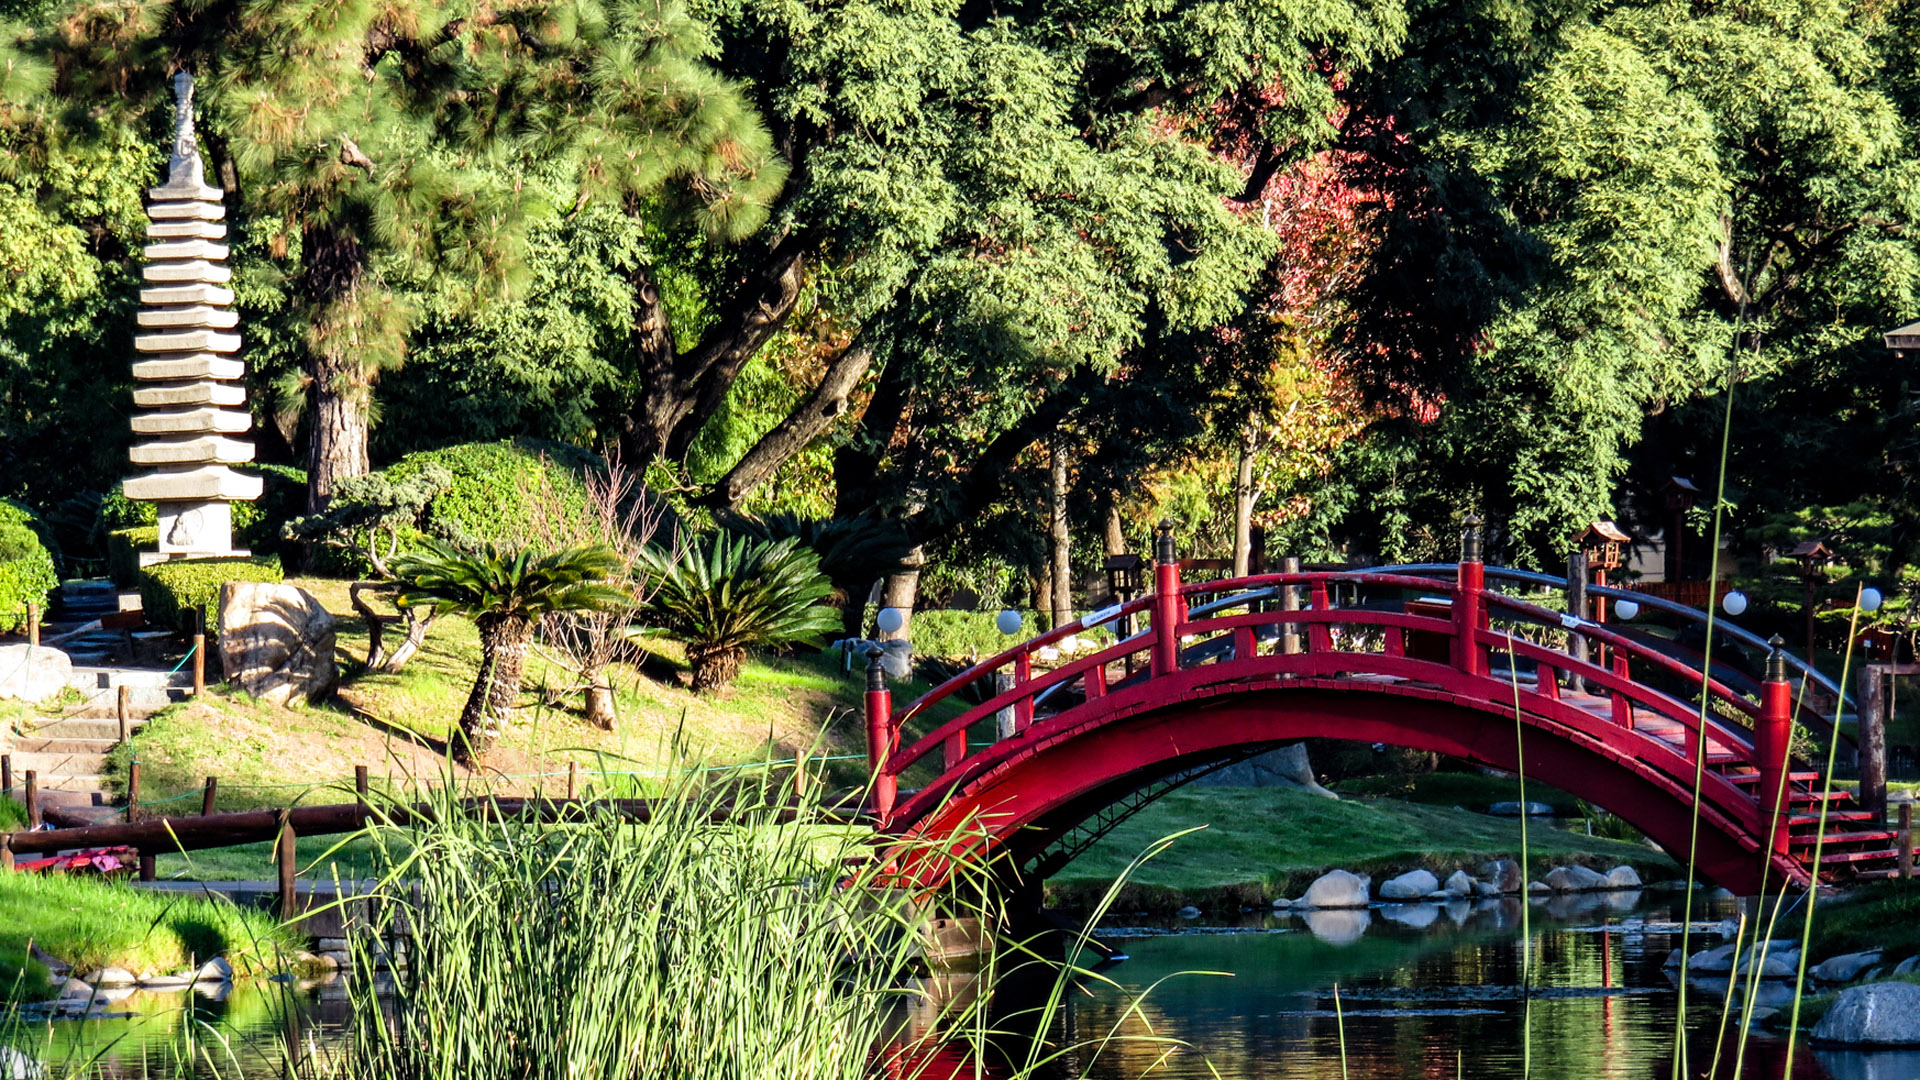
(1050, 759)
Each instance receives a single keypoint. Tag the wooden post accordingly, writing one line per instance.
(1905, 840)
(284, 855)
(1870, 689)
(1773, 742)
(33, 623)
(886, 786)
(360, 784)
(206, 797)
(6, 773)
(573, 780)
(123, 709)
(6, 852)
(33, 799)
(1472, 580)
(133, 788)
(1577, 607)
(199, 651)
(1166, 603)
(146, 866)
(1006, 722)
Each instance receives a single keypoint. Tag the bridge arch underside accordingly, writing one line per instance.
(1034, 795)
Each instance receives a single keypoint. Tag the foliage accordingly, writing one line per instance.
(726, 593)
(123, 552)
(368, 514)
(171, 591)
(492, 490)
(507, 592)
(853, 552)
(27, 572)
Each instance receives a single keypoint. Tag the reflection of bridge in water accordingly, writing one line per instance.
(1226, 669)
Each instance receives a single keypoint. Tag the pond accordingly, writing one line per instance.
(1425, 992)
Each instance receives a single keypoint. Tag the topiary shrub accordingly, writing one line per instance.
(169, 590)
(123, 553)
(27, 571)
(494, 495)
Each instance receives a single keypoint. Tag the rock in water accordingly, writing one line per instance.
(1458, 884)
(276, 642)
(1336, 889)
(1504, 874)
(112, 978)
(1623, 877)
(1877, 1014)
(1412, 885)
(17, 1065)
(1575, 879)
(1512, 809)
(1338, 927)
(1845, 967)
(33, 673)
(1188, 912)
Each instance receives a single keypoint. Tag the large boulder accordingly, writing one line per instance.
(1286, 767)
(1623, 877)
(1504, 874)
(1458, 884)
(1576, 879)
(276, 642)
(1412, 885)
(1877, 1014)
(1336, 889)
(1844, 968)
(33, 673)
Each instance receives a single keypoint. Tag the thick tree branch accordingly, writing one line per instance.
(806, 422)
(757, 310)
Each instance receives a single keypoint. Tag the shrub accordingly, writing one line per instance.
(169, 590)
(27, 571)
(725, 594)
(495, 490)
(123, 553)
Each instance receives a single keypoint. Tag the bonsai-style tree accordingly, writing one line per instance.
(506, 592)
(724, 594)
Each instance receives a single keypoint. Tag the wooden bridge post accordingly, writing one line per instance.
(1773, 742)
(1471, 582)
(1166, 602)
(1871, 751)
(880, 737)
(1290, 601)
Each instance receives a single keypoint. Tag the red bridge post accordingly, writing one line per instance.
(1471, 582)
(1773, 743)
(1166, 603)
(881, 737)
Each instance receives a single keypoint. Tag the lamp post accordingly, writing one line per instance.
(1813, 557)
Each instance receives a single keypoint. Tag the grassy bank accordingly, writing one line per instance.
(90, 924)
(1256, 844)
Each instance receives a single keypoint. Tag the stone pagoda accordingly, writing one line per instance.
(191, 406)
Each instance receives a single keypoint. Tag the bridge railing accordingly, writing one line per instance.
(1426, 631)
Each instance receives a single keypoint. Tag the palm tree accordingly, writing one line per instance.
(725, 593)
(506, 592)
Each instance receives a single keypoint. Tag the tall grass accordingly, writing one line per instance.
(718, 937)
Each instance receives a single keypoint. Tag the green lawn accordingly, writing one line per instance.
(90, 923)
(1467, 790)
(1256, 844)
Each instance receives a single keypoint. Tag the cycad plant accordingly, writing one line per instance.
(724, 594)
(506, 592)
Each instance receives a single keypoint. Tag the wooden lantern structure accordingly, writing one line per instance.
(1905, 341)
(1678, 495)
(1813, 557)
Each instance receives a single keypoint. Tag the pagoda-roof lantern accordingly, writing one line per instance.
(1906, 340)
(1604, 530)
(1811, 551)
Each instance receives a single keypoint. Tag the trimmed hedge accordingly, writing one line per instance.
(169, 590)
(495, 485)
(123, 553)
(27, 572)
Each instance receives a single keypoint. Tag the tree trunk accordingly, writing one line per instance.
(900, 590)
(714, 667)
(1116, 533)
(1060, 551)
(337, 439)
(1042, 584)
(601, 711)
(505, 641)
(1245, 495)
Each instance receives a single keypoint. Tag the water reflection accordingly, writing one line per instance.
(1432, 991)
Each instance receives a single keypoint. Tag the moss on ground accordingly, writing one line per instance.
(1256, 844)
(92, 923)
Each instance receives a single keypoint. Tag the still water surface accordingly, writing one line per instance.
(1425, 992)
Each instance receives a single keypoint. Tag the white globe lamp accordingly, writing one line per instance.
(891, 620)
(1734, 603)
(1627, 609)
(1008, 622)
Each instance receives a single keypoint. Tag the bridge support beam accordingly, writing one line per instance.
(1773, 742)
(881, 738)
